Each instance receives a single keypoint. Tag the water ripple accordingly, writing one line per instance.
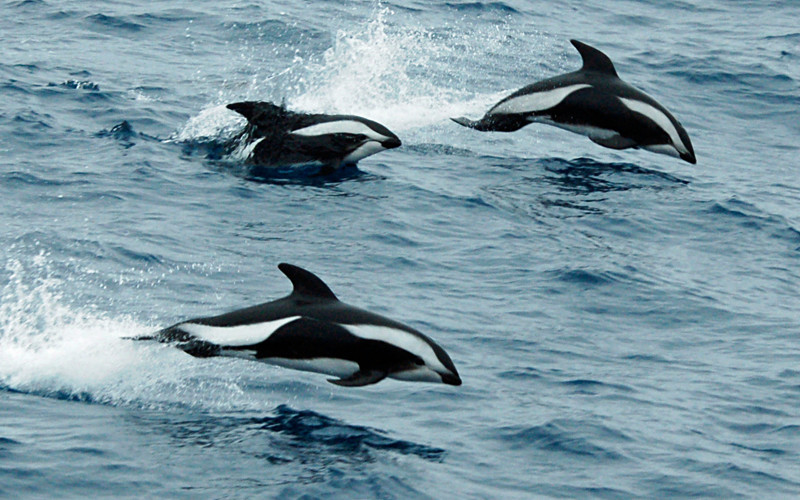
(108, 23)
(574, 438)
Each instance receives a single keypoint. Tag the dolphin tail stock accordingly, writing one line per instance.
(141, 337)
(493, 123)
(188, 344)
(466, 122)
(192, 346)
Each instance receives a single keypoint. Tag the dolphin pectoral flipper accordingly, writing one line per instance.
(360, 378)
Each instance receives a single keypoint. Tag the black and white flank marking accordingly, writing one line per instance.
(276, 136)
(594, 102)
(311, 330)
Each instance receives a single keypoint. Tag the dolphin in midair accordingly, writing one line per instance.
(312, 330)
(592, 101)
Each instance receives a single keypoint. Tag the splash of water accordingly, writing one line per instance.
(382, 72)
(401, 76)
(50, 348)
(46, 345)
(213, 124)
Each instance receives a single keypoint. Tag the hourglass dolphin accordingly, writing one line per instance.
(311, 330)
(276, 136)
(594, 102)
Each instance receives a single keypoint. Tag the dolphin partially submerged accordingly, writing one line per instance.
(276, 136)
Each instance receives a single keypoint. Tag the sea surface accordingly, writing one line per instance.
(626, 324)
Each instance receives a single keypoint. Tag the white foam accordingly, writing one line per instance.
(49, 347)
(383, 72)
(213, 123)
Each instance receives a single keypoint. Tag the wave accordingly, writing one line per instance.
(16, 179)
(472, 7)
(748, 216)
(108, 23)
(571, 437)
(589, 386)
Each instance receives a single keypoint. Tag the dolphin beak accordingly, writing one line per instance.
(391, 143)
(689, 157)
(450, 378)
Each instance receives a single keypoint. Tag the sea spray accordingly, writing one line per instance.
(55, 349)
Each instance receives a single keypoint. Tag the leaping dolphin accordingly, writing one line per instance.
(594, 102)
(311, 330)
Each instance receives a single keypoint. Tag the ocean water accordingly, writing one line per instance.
(626, 324)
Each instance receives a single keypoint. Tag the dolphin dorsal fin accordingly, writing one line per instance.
(306, 283)
(594, 60)
(257, 111)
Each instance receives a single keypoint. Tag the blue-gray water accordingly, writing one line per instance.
(626, 324)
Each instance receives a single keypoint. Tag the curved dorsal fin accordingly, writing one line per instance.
(306, 283)
(256, 111)
(594, 60)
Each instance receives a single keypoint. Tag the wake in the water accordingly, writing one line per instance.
(53, 349)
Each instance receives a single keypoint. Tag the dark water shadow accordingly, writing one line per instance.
(561, 188)
(284, 436)
(586, 176)
(295, 175)
(288, 435)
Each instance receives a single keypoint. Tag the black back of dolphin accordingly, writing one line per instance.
(265, 115)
